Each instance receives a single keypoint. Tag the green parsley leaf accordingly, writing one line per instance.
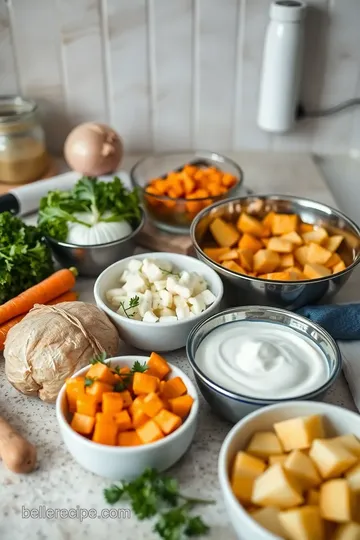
(89, 381)
(138, 367)
(99, 359)
(113, 494)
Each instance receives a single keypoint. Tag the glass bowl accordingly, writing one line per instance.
(175, 214)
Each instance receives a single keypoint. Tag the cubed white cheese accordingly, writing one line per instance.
(150, 316)
(135, 283)
(208, 297)
(124, 276)
(134, 265)
(112, 293)
(185, 279)
(182, 312)
(185, 292)
(169, 318)
(166, 312)
(171, 284)
(145, 303)
(153, 272)
(166, 298)
(156, 301)
(160, 285)
(179, 301)
(165, 265)
(199, 285)
(197, 304)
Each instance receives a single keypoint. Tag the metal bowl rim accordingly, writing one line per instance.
(239, 181)
(290, 198)
(99, 246)
(258, 401)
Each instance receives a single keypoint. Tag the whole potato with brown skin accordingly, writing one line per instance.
(93, 149)
(18, 454)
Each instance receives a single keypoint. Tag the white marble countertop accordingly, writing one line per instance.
(59, 482)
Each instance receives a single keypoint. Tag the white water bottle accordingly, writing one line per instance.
(282, 62)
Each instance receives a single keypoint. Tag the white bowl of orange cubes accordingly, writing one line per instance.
(131, 412)
(292, 471)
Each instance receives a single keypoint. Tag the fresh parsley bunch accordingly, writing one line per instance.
(153, 494)
(25, 258)
(105, 201)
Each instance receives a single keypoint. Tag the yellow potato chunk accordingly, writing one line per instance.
(293, 237)
(269, 519)
(281, 458)
(331, 458)
(317, 254)
(333, 261)
(299, 433)
(337, 501)
(350, 442)
(297, 271)
(286, 260)
(264, 444)
(353, 477)
(249, 224)
(214, 253)
(315, 271)
(265, 261)
(313, 497)
(303, 523)
(229, 255)
(283, 223)
(347, 531)
(280, 245)
(242, 487)
(232, 265)
(245, 464)
(301, 466)
(280, 276)
(333, 242)
(276, 487)
(246, 258)
(301, 254)
(224, 233)
(339, 267)
(318, 236)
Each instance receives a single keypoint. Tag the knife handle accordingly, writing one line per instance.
(9, 203)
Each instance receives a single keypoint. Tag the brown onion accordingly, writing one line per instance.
(93, 149)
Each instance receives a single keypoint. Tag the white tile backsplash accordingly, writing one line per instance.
(173, 74)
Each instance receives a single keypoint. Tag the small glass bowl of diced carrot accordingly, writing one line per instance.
(122, 415)
(175, 187)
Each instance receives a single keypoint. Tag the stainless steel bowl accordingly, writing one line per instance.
(90, 261)
(233, 406)
(241, 289)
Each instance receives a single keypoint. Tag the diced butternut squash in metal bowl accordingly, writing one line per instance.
(128, 407)
(298, 483)
(278, 247)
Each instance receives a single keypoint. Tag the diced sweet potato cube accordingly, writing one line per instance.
(339, 267)
(268, 219)
(137, 403)
(303, 523)
(284, 223)
(247, 465)
(249, 224)
(139, 418)
(167, 421)
(82, 423)
(276, 487)
(264, 444)
(246, 258)
(315, 271)
(123, 421)
(280, 245)
(112, 402)
(158, 366)
(232, 265)
(301, 254)
(149, 432)
(152, 405)
(337, 501)
(224, 233)
(266, 260)
(306, 227)
(105, 433)
(295, 271)
(333, 261)
(86, 404)
(75, 387)
(105, 418)
(144, 384)
(333, 242)
(292, 237)
(127, 399)
(280, 276)
(318, 236)
(299, 433)
(230, 255)
(181, 405)
(129, 438)
(97, 389)
(214, 253)
(102, 373)
(248, 241)
(174, 388)
(317, 254)
(286, 260)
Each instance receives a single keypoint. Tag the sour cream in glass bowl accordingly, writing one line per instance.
(251, 356)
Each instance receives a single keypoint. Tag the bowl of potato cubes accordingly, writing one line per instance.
(292, 471)
(155, 299)
(277, 250)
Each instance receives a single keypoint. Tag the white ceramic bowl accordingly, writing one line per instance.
(338, 421)
(156, 336)
(126, 463)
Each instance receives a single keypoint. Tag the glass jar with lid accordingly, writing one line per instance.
(23, 156)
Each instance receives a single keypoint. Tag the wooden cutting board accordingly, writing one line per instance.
(51, 171)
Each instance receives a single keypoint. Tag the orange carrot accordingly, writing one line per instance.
(45, 291)
(70, 296)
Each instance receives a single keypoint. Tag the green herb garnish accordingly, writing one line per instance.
(169, 272)
(154, 494)
(133, 303)
(25, 258)
(122, 385)
(99, 359)
(138, 367)
(89, 381)
(103, 201)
